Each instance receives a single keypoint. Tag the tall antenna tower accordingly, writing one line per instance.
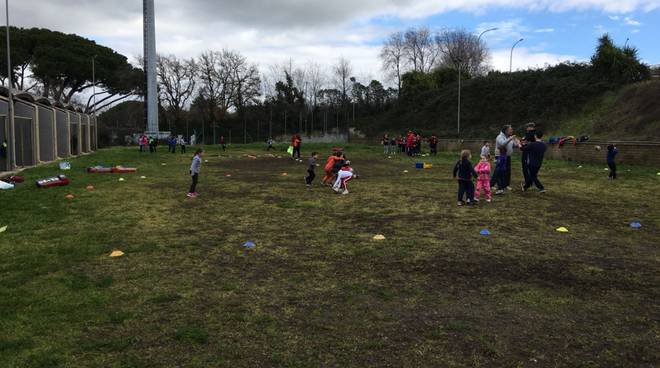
(151, 98)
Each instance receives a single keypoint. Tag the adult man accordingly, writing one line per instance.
(505, 142)
(535, 153)
(530, 130)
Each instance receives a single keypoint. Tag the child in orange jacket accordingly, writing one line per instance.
(329, 165)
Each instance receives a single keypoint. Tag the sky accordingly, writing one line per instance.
(272, 32)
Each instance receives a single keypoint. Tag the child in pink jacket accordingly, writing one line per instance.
(483, 181)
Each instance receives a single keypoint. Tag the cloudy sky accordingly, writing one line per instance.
(272, 31)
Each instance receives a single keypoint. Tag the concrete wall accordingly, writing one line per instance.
(47, 139)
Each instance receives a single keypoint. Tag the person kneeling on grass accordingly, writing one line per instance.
(195, 168)
(464, 173)
(535, 151)
(345, 174)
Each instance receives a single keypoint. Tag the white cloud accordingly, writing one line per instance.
(269, 31)
(524, 58)
(544, 30)
(631, 22)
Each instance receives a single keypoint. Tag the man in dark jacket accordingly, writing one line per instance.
(535, 153)
(530, 130)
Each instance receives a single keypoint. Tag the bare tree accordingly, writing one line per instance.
(464, 50)
(246, 81)
(216, 88)
(176, 79)
(393, 55)
(420, 50)
(342, 72)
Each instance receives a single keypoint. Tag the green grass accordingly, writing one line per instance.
(318, 291)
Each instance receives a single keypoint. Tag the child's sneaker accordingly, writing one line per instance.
(459, 203)
(542, 191)
(345, 191)
(476, 199)
(189, 195)
(489, 200)
(499, 192)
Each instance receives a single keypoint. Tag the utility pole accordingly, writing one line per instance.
(10, 105)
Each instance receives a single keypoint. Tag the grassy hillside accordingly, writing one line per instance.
(631, 113)
(561, 100)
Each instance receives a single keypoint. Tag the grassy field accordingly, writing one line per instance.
(318, 291)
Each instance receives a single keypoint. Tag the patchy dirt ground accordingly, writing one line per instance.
(318, 291)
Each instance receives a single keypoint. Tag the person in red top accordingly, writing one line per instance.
(329, 165)
(295, 142)
(222, 142)
(410, 143)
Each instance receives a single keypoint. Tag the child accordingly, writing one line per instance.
(195, 168)
(483, 182)
(270, 144)
(433, 144)
(222, 143)
(612, 151)
(310, 170)
(344, 175)
(295, 143)
(464, 173)
(329, 165)
(485, 150)
(182, 143)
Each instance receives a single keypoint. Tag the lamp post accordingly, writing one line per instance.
(10, 105)
(511, 58)
(458, 123)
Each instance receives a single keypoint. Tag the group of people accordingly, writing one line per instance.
(145, 142)
(338, 170)
(173, 142)
(533, 151)
(409, 144)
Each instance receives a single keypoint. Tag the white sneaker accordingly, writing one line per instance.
(489, 200)
(476, 199)
(345, 191)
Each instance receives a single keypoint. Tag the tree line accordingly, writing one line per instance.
(60, 66)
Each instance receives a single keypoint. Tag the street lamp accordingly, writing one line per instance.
(511, 58)
(626, 44)
(458, 124)
(10, 105)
